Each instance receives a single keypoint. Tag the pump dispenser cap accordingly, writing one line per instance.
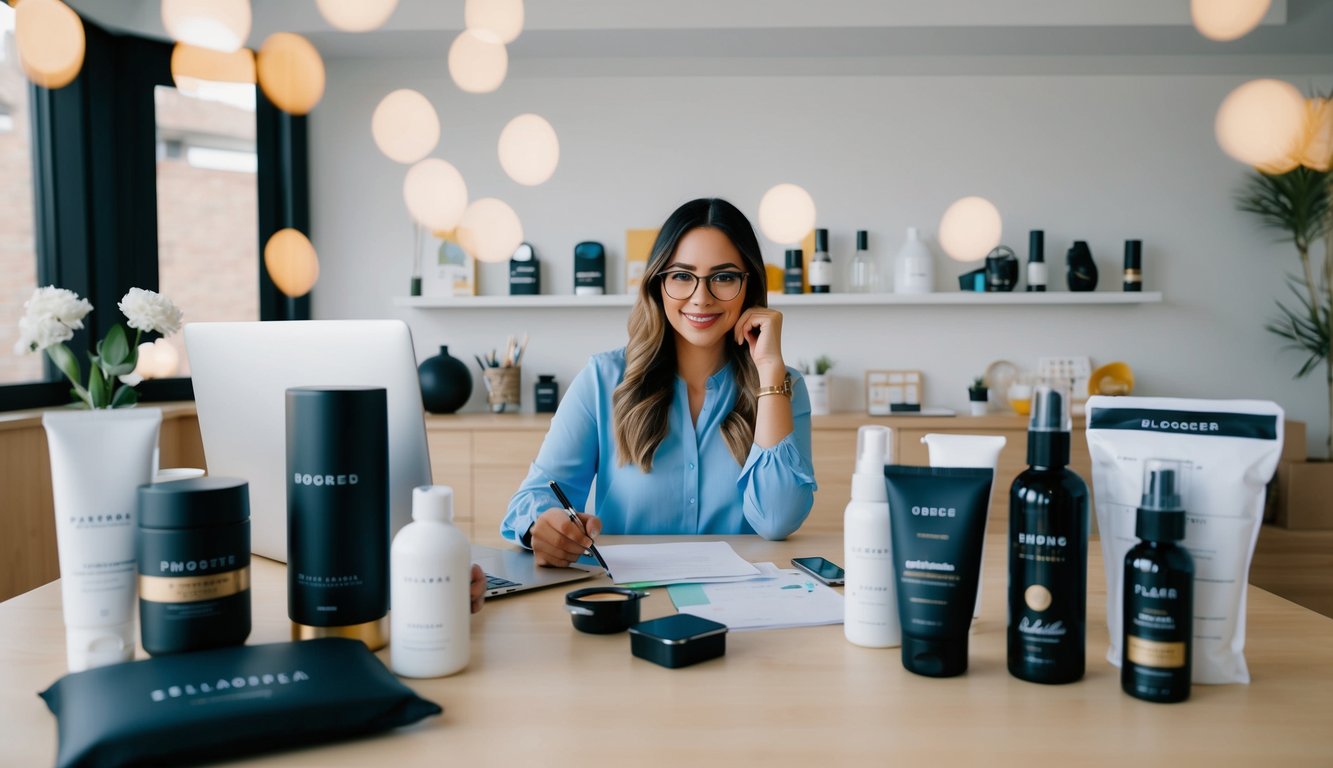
(1036, 246)
(935, 658)
(1049, 428)
(861, 239)
(1161, 513)
(793, 258)
(873, 452)
(821, 240)
(1133, 254)
(433, 503)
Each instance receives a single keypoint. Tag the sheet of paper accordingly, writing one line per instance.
(674, 563)
(791, 599)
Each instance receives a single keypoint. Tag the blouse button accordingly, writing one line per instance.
(691, 500)
(691, 466)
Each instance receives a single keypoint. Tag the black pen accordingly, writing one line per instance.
(569, 510)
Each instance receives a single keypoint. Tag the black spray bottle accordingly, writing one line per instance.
(1159, 592)
(1048, 552)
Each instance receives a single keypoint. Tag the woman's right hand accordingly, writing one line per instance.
(557, 540)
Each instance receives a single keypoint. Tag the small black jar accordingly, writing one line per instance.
(194, 564)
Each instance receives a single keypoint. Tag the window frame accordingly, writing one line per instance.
(94, 155)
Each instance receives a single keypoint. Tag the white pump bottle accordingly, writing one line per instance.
(430, 568)
(870, 606)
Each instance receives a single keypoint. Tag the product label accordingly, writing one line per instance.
(227, 684)
(1204, 423)
(190, 589)
(1152, 653)
(319, 480)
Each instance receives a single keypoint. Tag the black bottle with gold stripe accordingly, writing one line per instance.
(194, 564)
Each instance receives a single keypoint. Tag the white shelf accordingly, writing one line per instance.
(953, 298)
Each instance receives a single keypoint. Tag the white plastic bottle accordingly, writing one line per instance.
(870, 602)
(430, 566)
(914, 271)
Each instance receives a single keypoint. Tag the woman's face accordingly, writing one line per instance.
(701, 318)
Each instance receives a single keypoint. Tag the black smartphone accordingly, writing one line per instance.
(826, 571)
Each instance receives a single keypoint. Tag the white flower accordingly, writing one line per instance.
(131, 379)
(50, 317)
(150, 311)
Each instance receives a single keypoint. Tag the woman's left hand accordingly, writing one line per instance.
(761, 329)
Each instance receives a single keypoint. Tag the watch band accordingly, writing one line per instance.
(782, 389)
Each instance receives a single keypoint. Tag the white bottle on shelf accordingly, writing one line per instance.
(870, 605)
(914, 271)
(430, 565)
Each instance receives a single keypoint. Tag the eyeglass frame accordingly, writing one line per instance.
(707, 281)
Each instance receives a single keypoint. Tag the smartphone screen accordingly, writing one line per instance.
(825, 570)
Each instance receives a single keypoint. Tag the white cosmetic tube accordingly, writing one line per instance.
(98, 461)
(977, 451)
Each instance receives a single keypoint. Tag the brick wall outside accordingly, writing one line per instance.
(207, 220)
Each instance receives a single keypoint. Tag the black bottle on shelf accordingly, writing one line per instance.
(1158, 616)
(1133, 266)
(1082, 270)
(793, 277)
(546, 393)
(1048, 552)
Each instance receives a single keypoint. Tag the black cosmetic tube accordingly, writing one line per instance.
(938, 524)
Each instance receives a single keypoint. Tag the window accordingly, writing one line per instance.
(18, 255)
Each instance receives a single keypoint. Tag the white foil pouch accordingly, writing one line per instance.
(1230, 449)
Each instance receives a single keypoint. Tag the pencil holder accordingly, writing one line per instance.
(502, 387)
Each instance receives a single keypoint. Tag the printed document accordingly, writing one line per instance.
(676, 563)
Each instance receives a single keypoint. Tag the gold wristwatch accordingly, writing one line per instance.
(782, 389)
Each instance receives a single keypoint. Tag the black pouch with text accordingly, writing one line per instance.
(226, 703)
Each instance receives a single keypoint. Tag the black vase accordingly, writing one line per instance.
(446, 383)
(1082, 274)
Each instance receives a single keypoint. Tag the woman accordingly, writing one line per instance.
(696, 426)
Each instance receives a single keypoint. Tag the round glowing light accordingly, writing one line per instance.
(291, 262)
(498, 20)
(490, 230)
(49, 36)
(191, 65)
(405, 126)
(435, 193)
(222, 25)
(477, 65)
(158, 359)
(356, 15)
(291, 73)
(529, 149)
(1225, 20)
(970, 228)
(786, 214)
(1317, 144)
(1260, 122)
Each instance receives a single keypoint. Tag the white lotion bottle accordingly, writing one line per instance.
(430, 566)
(870, 604)
(915, 267)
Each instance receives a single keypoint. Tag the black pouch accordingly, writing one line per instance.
(225, 703)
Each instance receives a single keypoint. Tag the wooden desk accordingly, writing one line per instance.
(539, 693)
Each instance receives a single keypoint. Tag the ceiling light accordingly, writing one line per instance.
(49, 37)
(477, 65)
(291, 262)
(436, 194)
(222, 25)
(970, 228)
(405, 126)
(490, 230)
(529, 149)
(291, 73)
(786, 214)
(356, 15)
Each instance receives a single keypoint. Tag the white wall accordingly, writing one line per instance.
(1097, 158)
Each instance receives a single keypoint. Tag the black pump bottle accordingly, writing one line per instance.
(1159, 593)
(1048, 552)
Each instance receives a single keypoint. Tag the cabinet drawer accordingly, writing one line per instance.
(509, 449)
(492, 489)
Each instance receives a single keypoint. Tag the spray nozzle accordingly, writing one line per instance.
(872, 449)
(1162, 481)
(1050, 411)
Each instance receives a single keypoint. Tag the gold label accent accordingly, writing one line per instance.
(1037, 597)
(1133, 275)
(192, 589)
(1154, 653)
(375, 634)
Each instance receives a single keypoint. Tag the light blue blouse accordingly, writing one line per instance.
(695, 486)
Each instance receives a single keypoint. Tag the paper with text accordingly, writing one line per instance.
(790, 599)
(675, 563)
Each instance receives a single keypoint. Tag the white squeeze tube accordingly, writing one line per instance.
(98, 461)
(1228, 451)
(870, 607)
(975, 451)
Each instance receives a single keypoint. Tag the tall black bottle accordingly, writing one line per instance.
(1048, 552)
(1159, 593)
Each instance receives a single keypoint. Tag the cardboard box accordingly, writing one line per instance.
(1305, 495)
(1293, 441)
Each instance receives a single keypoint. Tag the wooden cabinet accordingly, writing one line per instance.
(483, 457)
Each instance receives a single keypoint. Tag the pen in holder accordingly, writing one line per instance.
(502, 387)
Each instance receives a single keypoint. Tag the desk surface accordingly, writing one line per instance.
(537, 692)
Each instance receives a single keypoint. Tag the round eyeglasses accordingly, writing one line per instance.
(724, 286)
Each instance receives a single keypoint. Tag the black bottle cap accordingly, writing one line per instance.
(935, 658)
(1048, 429)
(1133, 254)
(861, 239)
(793, 258)
(1036, 246)
(821, 240)
(1161, 512)
(546, 377)
(199, 502)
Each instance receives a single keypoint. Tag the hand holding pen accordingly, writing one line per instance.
(561, 536)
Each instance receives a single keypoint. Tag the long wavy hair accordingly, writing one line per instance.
(642, 401)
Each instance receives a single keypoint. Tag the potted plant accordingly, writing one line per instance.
(1297, 204)
(817, 384)
(978, 396)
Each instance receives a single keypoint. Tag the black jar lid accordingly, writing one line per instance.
(199, 502)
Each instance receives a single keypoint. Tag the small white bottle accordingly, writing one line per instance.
(821, 266)
(430, 565)
(914, 271)
(870, 605)
(864, 277)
